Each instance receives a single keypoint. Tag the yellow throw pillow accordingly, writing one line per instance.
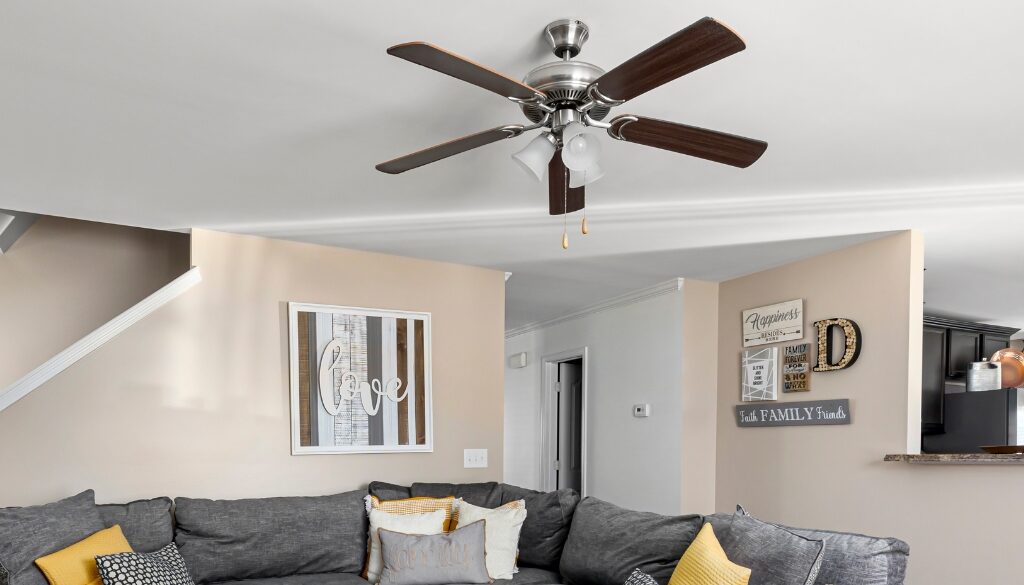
(705, 563)
(419, 506)
(76, 564)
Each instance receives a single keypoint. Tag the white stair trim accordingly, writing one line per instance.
(97, 338)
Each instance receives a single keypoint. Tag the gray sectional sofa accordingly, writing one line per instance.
(322, 540)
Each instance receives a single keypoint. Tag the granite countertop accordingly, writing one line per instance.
(959, 459)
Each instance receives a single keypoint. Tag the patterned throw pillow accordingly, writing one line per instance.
(164, 567)
(438, 559)
(638, 577)
(417, 506)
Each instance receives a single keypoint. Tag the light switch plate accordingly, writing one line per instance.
(641, 410)
(474, 458)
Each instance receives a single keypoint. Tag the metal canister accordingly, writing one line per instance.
(982, 376)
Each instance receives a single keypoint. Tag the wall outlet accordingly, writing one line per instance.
(474, 458)
(641, 410)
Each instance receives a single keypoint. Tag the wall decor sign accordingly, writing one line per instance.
(796, 368)
(760, 378)
(360, 380)
(852, 340)
(773, 323)
(794, 414)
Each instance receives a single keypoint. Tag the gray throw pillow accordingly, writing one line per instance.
(147, 524)
(36, 531)
(774, 555)
(548, 519)
(435, 559)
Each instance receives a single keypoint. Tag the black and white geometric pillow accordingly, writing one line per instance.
(638, 577)
(164, 567)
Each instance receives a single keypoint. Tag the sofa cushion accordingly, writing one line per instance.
(487, 495)
(774, 554)
(223, 540)
(389, 491)
(534, 576)
(855, 559)
(546, 528)
(314, 579)
(849, 559)
(36, 531)
(147, 524)
(606, 543)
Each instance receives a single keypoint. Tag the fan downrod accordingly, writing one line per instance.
(566, 37)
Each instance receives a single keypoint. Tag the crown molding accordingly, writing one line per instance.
(669, 286)
(97, 338)
(833, 204)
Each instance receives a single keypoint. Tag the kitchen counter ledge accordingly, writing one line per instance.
(958, 459)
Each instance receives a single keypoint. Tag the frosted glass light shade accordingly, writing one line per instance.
(571, 130)
(581, 178)
(534, 158)
(581, 152)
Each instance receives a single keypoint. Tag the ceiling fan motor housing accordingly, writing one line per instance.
(565, 83)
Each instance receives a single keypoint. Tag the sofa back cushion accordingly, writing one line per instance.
(546, 528)
(389, 491)
(856, 559)
(774, 554)
(224, 540)
(606, 543)
(485, 495)
(147, 524)
(36, 531)
(849, 559)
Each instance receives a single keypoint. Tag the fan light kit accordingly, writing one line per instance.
(567, 99)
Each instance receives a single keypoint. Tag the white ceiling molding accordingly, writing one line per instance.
(670, 286)
(97, 338)
(833, 205)
(13, 224)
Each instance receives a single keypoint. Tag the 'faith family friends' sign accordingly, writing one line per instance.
(790, 414)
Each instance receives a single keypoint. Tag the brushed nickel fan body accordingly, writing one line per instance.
(555, 94)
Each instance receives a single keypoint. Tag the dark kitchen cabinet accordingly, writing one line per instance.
(993, 343)
(948, 348)
(964, 348)
(933, 379)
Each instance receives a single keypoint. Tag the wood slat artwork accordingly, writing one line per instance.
(360, 381)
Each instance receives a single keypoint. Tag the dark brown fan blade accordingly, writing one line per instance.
(707, 144)
(700, 44)
(559, 200)
(462, 68)
(450, 148)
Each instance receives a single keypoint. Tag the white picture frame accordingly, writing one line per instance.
(355, 382)
(760, 375)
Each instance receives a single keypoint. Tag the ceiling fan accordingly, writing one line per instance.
(566, 97)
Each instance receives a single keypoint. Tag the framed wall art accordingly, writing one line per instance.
(773, 323)
(360, 380)
(760, 379)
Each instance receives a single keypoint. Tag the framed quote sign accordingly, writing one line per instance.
(360, 380)
(773, 323)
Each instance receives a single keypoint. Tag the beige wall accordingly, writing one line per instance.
(193, 400)
(64, 278)
(699, 395)
(962, 523)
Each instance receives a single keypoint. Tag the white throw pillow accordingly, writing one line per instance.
(502, 531)
(428, 523)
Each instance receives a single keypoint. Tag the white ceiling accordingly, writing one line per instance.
(267, 117)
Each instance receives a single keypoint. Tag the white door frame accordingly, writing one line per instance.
(549, 421)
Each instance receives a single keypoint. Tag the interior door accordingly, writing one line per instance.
(569, 464)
